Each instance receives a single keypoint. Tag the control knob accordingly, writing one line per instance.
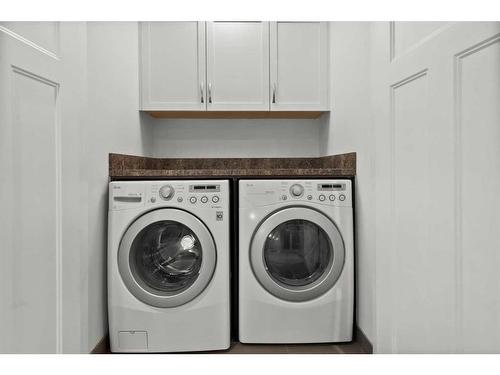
(296, 190)
(167, 192)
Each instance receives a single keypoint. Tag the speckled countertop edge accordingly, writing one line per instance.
(136, 167)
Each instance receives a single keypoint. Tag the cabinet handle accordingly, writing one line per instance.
(274, 92)
(201, 90)
(210, 93)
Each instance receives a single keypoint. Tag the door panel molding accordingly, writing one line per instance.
(396, 303)
(458, 77)
(421, 41)
(37, 46)
(16, 115)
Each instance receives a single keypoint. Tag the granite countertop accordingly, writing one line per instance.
(139, 167)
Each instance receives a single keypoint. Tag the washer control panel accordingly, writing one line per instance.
(188, 194)
(325, 192)
(192, 194)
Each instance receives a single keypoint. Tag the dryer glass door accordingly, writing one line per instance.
(167, 257)
(297, 253)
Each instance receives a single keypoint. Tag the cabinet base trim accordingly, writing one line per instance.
(237, 114)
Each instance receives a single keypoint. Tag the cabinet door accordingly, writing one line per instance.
(299, 66)
(172, 66)
(238, 66)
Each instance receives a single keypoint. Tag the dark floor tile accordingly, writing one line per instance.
(312, 349)
(239, 348)
(351, 348)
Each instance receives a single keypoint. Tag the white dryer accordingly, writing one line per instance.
(168, 266)
(296, 271)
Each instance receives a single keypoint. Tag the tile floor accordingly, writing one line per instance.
(347, 348)
(239, 348)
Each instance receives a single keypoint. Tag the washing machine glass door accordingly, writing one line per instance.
(167, 257)
(297, 253)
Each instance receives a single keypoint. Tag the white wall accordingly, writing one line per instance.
(73, 110)
(349, 128)
(113, 124)
(235, 138)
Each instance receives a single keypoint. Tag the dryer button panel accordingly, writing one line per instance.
(335, 193)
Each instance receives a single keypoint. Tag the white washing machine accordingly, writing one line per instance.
(168, 266)
(296, 271)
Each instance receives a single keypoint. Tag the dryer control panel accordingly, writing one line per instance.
(326, 192)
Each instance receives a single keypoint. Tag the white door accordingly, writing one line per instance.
(172, 66)
(299, 66)
(42, 77)
(436, 95)
(238, 66)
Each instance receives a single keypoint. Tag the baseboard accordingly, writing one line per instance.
(363, 341)
(102, 346)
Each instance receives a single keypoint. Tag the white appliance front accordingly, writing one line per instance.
(296, 271)
(168, 266)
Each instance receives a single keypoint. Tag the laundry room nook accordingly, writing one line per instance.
(291, 281)
(212, 186)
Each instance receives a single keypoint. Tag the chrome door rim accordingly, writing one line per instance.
(310, 291)
(205, 273)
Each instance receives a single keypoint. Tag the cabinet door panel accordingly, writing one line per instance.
(238, 65)
(173, 66)
(299, 61)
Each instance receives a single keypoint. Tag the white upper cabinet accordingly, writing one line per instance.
(238, 66)
(173, 66)
(234, 66)
(299, 66)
